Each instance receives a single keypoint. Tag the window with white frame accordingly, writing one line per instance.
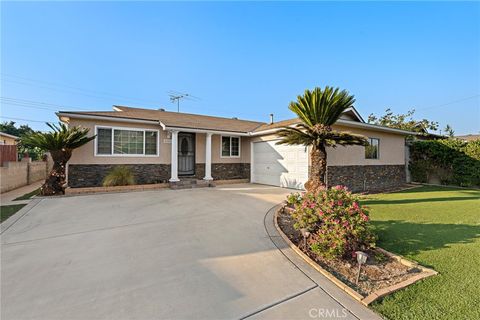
(120, 141)
(230, 147)
(372, 149)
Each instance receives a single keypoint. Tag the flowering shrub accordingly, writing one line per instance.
(338, 224)
(294, 198)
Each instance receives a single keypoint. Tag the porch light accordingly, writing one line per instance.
(361, 259)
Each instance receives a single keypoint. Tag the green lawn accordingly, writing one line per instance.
(440, 228)
(27, 196)
(7, 211)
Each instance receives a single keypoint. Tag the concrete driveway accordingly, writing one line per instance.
(170, 254)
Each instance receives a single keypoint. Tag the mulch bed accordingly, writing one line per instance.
(380, 271)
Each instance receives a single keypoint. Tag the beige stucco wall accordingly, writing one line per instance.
(18, 174)
(216, 151)
(7, 140)
(86, 153)
(392, 149)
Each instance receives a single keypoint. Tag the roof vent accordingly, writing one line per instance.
(161, 109)
(234, 118)
(271, 118)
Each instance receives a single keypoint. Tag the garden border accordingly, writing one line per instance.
(365, 300)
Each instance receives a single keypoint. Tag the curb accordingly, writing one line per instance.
(365, 300)
(4, 226)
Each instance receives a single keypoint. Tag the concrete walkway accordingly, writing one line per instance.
(6, 198)
(169, 254)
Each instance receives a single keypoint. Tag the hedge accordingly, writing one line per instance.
(454, 161)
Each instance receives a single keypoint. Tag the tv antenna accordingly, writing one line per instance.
(175, 96)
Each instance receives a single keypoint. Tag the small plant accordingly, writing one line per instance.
(339, 225)
(380, 257)
(119, 176)
(294, 199)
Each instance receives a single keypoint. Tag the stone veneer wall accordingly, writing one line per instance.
(224, 171)
(367, 178)
(92, 175)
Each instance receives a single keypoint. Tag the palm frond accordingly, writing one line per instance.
(334, 138)
(60, 138)
(294, 136)
(321, 106)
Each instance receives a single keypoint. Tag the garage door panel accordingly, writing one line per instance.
(280, 165)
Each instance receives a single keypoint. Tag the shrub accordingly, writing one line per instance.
(119, 176)
(294, 199)
(339, 225)
(454, 161)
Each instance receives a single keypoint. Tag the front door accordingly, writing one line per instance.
(186, 153)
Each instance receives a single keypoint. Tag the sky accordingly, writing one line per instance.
(240, 59)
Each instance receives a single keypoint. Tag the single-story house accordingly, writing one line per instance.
(161, 146)
(8, 139)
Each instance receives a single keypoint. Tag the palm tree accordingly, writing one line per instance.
(318, 110)
(60, 143)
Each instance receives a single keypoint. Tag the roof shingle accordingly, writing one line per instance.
(178, 119)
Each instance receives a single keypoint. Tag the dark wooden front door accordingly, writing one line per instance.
(186, 153)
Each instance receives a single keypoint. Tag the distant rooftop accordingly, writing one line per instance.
(469, 137)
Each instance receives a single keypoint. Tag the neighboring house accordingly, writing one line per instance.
(469, 137)
(162, 146)
(8, 139)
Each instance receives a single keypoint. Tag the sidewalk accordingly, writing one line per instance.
(6, 198)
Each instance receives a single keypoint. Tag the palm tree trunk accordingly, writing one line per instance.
(318, 157)
(56, 180)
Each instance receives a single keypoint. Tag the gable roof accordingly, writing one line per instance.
(174, 119)
(188, 121)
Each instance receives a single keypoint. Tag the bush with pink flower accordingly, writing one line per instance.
(337, 223)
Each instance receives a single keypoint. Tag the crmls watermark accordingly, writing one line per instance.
(327, 313)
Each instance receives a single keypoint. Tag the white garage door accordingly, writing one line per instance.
(279, 165)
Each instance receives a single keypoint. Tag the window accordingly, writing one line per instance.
(371, 150)
(118, 142)
(127, 142)
(151, 142)
(230, 147)
(104, 141)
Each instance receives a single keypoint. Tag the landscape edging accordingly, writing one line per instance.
(366, 300)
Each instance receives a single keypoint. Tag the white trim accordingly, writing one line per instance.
(357, 114)
(239, 147)
(347, 123)
(96, 154)
(376, 127)
(226, 133)
(251, 161)
(174, 158)
(208, 157)
(115, 119)
(9, 135)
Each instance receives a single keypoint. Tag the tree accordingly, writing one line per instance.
(318, 110)
(403, 121)
(21, 131)
(449, 131)
(60, 143)
(10, 128)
